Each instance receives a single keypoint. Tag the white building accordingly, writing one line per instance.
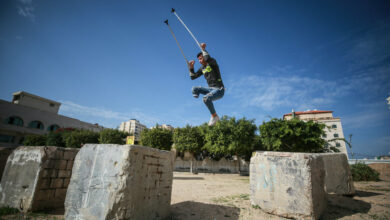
(30, 114)
(333, 127)
(133, 126)
(164, 126)
(388, 101)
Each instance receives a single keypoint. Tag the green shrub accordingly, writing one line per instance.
(292, 136)
(362, 172)
(111, 136)
(35, 140)
(78, 138)
(55, 139)
(188, 139)
(157, 138)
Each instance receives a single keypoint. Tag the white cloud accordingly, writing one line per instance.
(26, 9)
(111, 118)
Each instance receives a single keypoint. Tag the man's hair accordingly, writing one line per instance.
(200, 53)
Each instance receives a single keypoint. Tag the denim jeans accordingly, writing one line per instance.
(210, 95)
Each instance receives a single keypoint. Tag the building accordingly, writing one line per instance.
(30, 114)
(164, 126)
(388, 101)
(333, 127)
(134, 127)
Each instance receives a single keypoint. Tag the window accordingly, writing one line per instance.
(336, 135)
(338, 144)
(14, 120)
(324, 136)
(6, 138)
(334, 126)
(53, 127)
(36, 124)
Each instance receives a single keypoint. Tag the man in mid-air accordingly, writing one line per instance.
(216, 89)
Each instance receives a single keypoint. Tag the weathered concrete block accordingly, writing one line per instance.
(120, 182)
(288, 184)
(338, 176)
(27, 183)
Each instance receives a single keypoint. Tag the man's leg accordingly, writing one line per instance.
(196, 90)
(213, 95)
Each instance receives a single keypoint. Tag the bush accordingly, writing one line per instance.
(78, 138)
(293, 136)
(157, 138)
(362, 172)
(35, 140)
(8, 211)
(55, 139)
(112, 136)
(188, 139)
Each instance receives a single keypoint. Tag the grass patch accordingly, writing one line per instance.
(8, 211)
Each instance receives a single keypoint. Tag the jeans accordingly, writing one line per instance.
(210, 95)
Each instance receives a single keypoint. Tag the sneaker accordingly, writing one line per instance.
(213, 120)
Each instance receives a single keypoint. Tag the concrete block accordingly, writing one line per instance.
(26, 177)
(61, 164)
(64, 173)
(120, 182)
(338, 176)
(288, 184)
(56, 183)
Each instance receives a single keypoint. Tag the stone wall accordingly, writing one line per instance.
(36, 178)
(4, 153)
(210, 166)
(383, 169)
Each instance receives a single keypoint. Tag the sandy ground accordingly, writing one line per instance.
(226, 196)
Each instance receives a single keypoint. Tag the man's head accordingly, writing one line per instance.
(201, 59)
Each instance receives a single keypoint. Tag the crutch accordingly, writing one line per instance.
(166, 22)
(174, 12)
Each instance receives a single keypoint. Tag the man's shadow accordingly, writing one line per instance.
(190, 210)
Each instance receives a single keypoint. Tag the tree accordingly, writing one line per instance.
(157, 138)
(112, 136)
(188, 139)
(230, 137)
(292, 135)
(35, 140)
(78, 138)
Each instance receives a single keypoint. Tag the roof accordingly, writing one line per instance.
(35, 96)
(308, 112)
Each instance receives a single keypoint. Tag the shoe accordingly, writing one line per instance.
(195, 96)
(213, 120)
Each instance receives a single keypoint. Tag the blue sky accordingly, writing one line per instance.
(109, 61)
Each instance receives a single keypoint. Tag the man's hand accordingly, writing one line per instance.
(203, 46)
(191, 64)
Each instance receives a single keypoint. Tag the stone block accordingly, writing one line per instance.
(26, 177)
(120, 182)
(338, 176)
(56, 183)
(69, 155)
(64, 173)
(288, 184)
(66, 182)
(69, 164)
(61, 164)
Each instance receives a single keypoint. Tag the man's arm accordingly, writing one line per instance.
(194, 74)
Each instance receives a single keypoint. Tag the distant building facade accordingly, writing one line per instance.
(333, 127)
(30, 114)
(134, 127)
(164, 126)
(388, 101)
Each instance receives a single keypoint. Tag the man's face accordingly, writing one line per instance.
(201, 60)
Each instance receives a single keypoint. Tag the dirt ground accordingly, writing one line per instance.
(226, 196)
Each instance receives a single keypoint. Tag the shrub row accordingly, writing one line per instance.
(76, 138)
(239, 137)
